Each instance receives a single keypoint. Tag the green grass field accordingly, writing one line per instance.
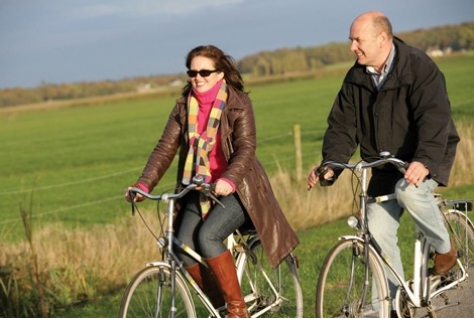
(76, 162)
(72, 165)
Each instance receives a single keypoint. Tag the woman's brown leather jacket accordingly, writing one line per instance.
(238, 136)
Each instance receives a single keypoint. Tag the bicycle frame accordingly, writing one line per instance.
(175, 262)
(241, 251)
(420, 292)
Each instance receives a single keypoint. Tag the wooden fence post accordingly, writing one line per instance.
(298, 160)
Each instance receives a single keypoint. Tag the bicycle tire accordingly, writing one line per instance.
(336, 297)
(281, 295)
(148, 295)
(461, 231)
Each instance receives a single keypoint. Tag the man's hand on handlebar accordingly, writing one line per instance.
(322, 174)
(416, 173)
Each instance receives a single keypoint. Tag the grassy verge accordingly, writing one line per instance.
(57, 267)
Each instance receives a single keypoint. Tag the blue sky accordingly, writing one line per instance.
(58, 41)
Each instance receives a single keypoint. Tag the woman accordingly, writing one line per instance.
(221, 146)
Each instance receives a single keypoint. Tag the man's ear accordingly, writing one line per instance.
(382, 38)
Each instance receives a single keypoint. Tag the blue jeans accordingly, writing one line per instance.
(206, 236)
(384, 221)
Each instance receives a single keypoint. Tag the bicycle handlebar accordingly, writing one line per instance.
(385, 158)
(398, 163)
(197, 184)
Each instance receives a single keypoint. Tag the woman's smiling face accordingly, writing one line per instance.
(204, 83)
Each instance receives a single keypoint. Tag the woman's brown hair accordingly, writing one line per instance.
(222, 62)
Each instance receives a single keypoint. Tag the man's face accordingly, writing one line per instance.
(365, 43)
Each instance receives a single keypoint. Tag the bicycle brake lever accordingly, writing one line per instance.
(198, 179)
(214, 198)
(132, 202)
(133, 208)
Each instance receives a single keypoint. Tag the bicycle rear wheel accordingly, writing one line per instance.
(149, 295)
(341, 283)
(271, 292)
(461, 231)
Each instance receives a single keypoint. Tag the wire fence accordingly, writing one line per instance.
(261, 143)
(123, 172)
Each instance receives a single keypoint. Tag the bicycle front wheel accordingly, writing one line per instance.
(341, 284)
(149, 295)
(271, 292)
(461, 232)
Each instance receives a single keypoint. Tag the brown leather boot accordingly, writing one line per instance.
(206, 281)
(444, 262)
(223, 268)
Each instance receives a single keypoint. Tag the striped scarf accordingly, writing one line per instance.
(199, 162)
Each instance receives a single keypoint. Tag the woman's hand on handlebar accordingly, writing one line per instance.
(136, 198)
(319, 173)
(223, 188)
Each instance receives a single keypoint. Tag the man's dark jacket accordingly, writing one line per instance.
(410, 117)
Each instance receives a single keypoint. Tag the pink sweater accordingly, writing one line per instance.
(217, 161)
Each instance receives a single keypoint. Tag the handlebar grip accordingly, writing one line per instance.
(321, 171)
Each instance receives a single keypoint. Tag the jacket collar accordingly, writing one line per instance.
(400, 75)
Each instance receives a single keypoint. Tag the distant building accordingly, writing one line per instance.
(176, 82)
(143, 88)
(437, 52)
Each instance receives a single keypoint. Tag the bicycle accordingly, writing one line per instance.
(353, 281)
(163, 288)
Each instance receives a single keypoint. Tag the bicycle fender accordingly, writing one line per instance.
(357, 238)
(159, 264)
(167, 265)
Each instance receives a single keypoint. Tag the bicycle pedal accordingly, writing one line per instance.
(439, 281)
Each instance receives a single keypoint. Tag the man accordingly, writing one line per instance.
(394, 99)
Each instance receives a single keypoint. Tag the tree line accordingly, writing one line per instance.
(445, 39)
(284, 61)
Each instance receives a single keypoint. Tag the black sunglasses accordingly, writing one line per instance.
(203, 73)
